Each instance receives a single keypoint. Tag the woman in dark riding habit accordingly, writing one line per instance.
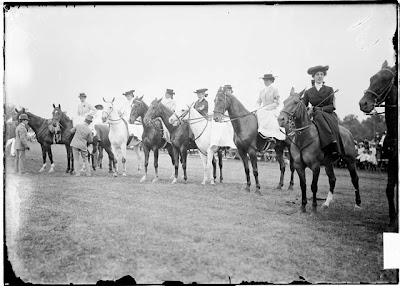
(322, 99)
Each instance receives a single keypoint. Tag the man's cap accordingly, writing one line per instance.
(23, 116)
(170, 91)
(129, 92)
(82, 94)
(89, 118)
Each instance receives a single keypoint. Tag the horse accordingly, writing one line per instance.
(245, 137)
(306, 150)
(103, 143)
(202, 129)
(179, 134)
(152, 137)
(382, 91)
(43, 135)
(118, 135)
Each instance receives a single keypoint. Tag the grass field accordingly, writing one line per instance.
(66, 229)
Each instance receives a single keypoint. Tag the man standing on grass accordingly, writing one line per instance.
(21, 143)
(82, 136)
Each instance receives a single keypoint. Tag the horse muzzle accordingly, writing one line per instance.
(282, 120)
(366, 105)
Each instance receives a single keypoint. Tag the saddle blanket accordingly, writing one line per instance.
(268, 124)
(222, 134)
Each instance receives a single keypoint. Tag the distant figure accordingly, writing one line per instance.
(21, 143)
(84, 108)
(83, 136)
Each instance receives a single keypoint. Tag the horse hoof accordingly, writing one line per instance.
(110, 171)
(258, 193)
(324, 206)
(124, 174)
(115, 175)
(68, 171)
(221, 181)
(357, 208)
(279, 187)
(51, 170)
(143, 179)
(41, 170)
(212, 183)
(303, 209)
(174, 181)
(247, 189)
(203, 183)
(290, 188)
(155, 180)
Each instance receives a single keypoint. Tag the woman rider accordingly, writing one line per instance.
(322, 99)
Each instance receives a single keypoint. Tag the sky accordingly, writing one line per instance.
(53, 53)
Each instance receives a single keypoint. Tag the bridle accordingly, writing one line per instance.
(292, 117)
(111, 121)
(381, 97)
(233, 118)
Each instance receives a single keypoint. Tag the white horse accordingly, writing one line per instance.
(118, 135)
(209, 136)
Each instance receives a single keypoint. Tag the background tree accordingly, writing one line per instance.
(367, 128)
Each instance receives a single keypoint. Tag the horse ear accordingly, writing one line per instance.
(54, 106)
(140, 98)
(292, 91)
(158, 101)
(113, 99)
(302, 92)
(104, 99)
(385, 64)
(59, 106)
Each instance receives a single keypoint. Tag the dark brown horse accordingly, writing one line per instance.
(382, 91)
(246, 135)
(43, 135)
(306, 150)
(152, 137)
(179, 134)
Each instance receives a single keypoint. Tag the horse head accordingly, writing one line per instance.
(139, 108)
(221, 104)
(153, 111)
(291, 107)
(108, 110)
(179, 116)
(380, 85)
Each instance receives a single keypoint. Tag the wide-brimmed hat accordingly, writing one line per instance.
(268, 76)
(130, 92)
(99, 106)
(313, 70)
(170, 91)
(82, 94)
(89, 118)
(23, 116)
(202, 90)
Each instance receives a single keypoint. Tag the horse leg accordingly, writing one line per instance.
(44, 155)
(392, 180)
(279, 157)
(139, 157)
(253, 159)
(221, 178)
(204, 160)
(156, 153)
(314, 186)
(111, 163)
(69, 158)
(245, 160)
(184, 160)
(332, 182)
(115, 160)
(176, 162)
(123, 152)
(301, 172)
(354, 179)
(214, 172)
(51, 159)
(146, 162)
(292, 169)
